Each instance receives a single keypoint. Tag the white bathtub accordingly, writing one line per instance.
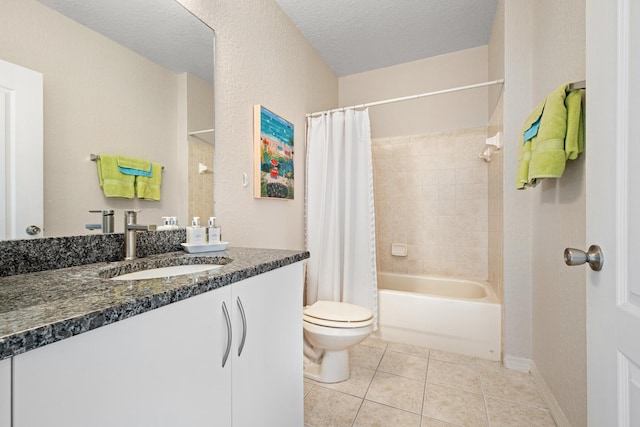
(449, 314)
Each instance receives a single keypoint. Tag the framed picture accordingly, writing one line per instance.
(273, 146)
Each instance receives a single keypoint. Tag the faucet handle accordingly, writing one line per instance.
(130, 216)
(107, 221)
(103, 211)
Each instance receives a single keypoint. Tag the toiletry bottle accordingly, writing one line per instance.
(195, 233)
(166, 224)
(213, 232)
(173, 220)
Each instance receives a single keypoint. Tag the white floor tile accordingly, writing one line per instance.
(395, 384)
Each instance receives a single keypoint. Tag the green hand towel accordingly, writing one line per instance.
(112, 182)
(149, 188)
(131, 163)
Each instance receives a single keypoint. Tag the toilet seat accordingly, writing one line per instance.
(337, 315)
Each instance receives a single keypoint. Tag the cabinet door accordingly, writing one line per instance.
(5, 393)
(160, 368)
(267, 375)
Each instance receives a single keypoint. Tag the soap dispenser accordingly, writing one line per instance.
(213, 232)
(195, 233)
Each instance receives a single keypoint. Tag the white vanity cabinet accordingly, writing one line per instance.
(267, 376)
(164, 367)
(5, 393)
(160, 368)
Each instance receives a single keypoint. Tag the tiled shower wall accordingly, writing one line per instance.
(200, 185)
(431, 193)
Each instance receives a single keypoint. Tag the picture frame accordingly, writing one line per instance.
(273, 155)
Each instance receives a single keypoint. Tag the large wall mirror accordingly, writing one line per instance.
(122, 77)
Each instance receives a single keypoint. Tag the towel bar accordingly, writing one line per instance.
(94, 157)
(582, 84)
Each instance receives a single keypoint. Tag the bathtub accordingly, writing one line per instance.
(460, 316)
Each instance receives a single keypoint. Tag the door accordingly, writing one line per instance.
(613, 211)
(21, 133)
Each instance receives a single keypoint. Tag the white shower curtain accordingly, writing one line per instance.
(339, 210)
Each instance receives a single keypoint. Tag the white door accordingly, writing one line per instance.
(21, 130)
(613, 211)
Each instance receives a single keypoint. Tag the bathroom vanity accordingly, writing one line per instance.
(220, 347)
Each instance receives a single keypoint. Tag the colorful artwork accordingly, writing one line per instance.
(273, 173)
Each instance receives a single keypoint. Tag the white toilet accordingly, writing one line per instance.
(334, 327)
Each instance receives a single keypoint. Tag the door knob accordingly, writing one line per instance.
(593, 256)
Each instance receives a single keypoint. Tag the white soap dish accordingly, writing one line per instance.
(212, 247)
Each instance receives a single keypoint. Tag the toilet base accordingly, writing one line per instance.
(333, 368)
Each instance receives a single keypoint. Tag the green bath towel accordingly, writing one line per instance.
(574, 142)
(524, 150)
(552, 134)
(149, 188)
(112, 182)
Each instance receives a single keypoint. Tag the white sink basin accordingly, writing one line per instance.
(175, 270)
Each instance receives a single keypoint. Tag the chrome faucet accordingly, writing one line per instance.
(107, 221)
(130, 228)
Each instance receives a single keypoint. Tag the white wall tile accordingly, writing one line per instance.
(431, 193)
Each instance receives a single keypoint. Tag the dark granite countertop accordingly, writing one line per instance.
(43, 307)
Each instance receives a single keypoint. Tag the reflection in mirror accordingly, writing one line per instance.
(151, 100)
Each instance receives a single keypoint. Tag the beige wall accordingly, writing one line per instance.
(431, 194)
(558, 220)
(261, 58)
(82, 117)
(200, 117)
(516, 204)
(495, 51)
(495, 197)
(459, 110)
(544, 47)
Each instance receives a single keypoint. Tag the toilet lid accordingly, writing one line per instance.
(338, 312)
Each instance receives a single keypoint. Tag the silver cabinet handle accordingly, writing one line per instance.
(593, 256)
(244, 327)
(228, 320)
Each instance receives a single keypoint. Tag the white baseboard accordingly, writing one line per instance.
(517, 363)
(549, 399)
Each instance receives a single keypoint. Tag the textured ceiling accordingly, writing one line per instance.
(353, 36)
(161, 30)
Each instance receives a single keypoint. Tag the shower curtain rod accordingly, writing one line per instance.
(406, 98)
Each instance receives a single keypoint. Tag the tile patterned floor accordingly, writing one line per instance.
(397, 385)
